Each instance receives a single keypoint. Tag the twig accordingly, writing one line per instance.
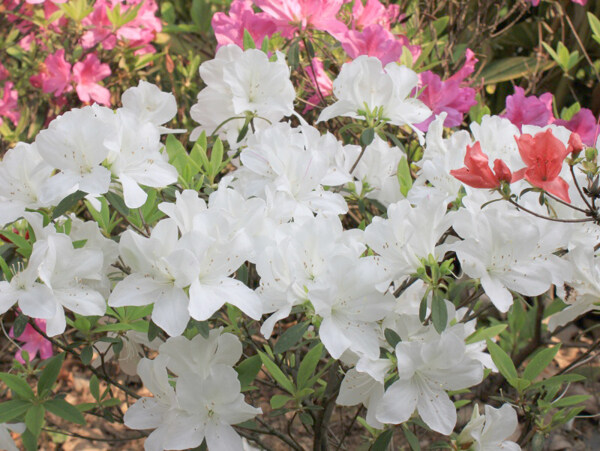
(93, 370)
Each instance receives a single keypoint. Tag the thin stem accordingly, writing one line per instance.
(531, 212)
(94, 439)
(584, 197)
(93, 370)
(565, 203)
(581, 46)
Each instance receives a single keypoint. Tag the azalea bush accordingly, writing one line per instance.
(340, 239)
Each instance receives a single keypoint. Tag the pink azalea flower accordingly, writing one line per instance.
(55, 75)
(293, 15)
(376, 41)
(531, 110)
(9, 108)
(34, 342)
(321, 82)
(373, 12)
(86, 74)
(584, 124)
(450, 95)
(229, 29)
(138, 32)
(3, 72)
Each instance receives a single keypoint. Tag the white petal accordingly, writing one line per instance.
(398, 403)
(170, 311)
(436, 409)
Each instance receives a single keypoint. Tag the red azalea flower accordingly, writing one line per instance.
(477, 172)
(544, 155)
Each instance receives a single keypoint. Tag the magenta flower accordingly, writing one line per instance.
(374, 12)
(290, 16)
(323, 86)
(34, 342)
(531, 110)
(86, 74)
(450, 95)
(229, 29)
(584, 124)
(376, 41)
(9, 108)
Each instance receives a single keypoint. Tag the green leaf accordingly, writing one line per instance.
(9, 410)
(557, 380)
(570, 400)
(506, 69)
(95, 387)
(293, 55)
(367, 136)
(392, 337)
(594, 23)
(277, 374)
(216, 158)
(34, 419)
(248, 369)
(50, 373)
(383, 441)
(278, 401)
(502, 360)
(19, 325)
(118, 203)
(404, 177)
(485, 333)
(18, 385)
(411, 438)
(29, 441)
(86, 355)
(306, 419)
(539, 362)
(439, 312)
(248, 41)
(290, 337)
(63, 409)
(308, 365)
(67, 203)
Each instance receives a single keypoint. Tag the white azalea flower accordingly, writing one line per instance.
(364, 83)
(77, 143)
(508, 251)
(240, 82)
(408, 235)
(200, 355)
(137, 158)
(426, 369)
(23, 174)
(198, 408)
(160, 270)
(489, 432)
(290, 166)
(350, 306)
(149, 103)
(299, 260)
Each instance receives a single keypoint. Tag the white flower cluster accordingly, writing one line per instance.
(280, 210)
(201, 402)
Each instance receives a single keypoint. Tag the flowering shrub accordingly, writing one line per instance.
(345, 227)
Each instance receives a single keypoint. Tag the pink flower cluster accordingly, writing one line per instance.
(137, 33)
(367, 33)
(57, 76)
(34, 342)
(9, 107)
(531, 110)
